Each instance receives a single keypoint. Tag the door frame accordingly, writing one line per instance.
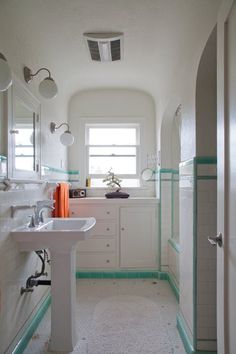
(222, 178)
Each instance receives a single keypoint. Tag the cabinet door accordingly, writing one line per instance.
(138, 237)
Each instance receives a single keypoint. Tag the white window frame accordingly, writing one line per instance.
(114, 125)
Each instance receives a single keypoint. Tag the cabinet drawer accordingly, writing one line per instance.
(97, 211)
(105, 228)
(93, 261)
(97, 245)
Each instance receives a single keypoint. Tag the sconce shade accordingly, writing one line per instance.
(48, 88)
(67, 138)
(5, 74)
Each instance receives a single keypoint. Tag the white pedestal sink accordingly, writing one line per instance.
(60, 236)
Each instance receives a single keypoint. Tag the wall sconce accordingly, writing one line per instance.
(47, 87)
(5, 74)
(66, 138)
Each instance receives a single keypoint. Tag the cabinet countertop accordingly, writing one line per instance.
(116, 201)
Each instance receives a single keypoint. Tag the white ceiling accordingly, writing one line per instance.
(160, 37)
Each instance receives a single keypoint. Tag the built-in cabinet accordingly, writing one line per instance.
(125, 235)
(138, 237)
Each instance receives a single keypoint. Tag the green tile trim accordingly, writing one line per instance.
(206, 160)
(206, 177)
(174, 245)
(3, 158)
(183, 334)
(27, 335)
(121, 274)
(186, 342)
(73, 172)
(173, 286)
(165, 170)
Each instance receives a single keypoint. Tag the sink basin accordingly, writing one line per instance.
(54, 233)
(60, 236)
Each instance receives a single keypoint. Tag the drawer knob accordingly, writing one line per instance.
(72, 212)
(108, 212)
(108, 261)
(122, 229)
(108, 245)
(108, 228)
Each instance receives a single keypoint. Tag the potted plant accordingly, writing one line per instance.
(114, 182)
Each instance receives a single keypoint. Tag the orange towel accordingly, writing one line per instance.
(61, 197)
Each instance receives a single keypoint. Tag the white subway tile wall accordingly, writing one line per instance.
(198, 220)
(173, 261)
(165, 222)
(186, 213)
(15, 268)
(206, 260)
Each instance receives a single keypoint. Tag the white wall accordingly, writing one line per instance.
(120, 105)
(206, 112)
(18, 54)
(16, 267)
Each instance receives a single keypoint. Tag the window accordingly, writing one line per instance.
(24, 147)
(116, 147)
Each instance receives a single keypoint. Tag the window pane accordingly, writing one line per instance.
(24, 151)
(132, 182)
(112, 150)
(112, 136)
(24, 163)
(24, 137)
(119, 165)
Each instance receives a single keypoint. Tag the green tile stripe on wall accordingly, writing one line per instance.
(174, 245)
(27, 335)
(206, 178)
(121, 274)
(206, 160)
(3, 158)
(165, 170)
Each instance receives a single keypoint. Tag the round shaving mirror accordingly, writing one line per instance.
(147, 174)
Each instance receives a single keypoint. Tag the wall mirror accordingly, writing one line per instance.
(23, 133)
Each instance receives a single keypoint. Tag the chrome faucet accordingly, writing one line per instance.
(40, 206)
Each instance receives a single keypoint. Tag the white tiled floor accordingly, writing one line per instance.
(120, 316)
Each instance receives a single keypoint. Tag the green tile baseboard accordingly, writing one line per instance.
(186, 341)
(173, 286)
(29, 331)
(93, 274)
(130, 275)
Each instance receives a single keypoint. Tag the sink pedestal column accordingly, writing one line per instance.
(63, 294)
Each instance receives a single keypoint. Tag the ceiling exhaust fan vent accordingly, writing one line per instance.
(105, 46)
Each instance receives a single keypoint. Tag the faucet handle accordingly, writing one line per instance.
(32, 221)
